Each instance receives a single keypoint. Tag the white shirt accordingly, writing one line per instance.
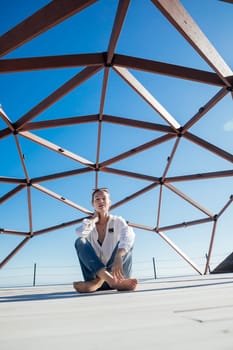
(117, 230)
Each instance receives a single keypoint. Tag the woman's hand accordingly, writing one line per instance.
(117, 267)
(95, 217)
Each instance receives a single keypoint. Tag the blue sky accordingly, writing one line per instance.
(146, 34)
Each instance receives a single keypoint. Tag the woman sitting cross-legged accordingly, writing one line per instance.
(104, 249)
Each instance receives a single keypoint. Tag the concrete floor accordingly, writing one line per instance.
(175, 313)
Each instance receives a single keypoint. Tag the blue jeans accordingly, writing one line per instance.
(90, 263)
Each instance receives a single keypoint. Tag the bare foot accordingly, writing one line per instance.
(88, 286)
(128, 284)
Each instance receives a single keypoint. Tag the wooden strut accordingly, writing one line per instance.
(14, 251)
(42, 20)
(210, 247)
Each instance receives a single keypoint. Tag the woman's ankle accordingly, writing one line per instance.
(88, 286)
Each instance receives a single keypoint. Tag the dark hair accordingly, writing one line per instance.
(101, 189)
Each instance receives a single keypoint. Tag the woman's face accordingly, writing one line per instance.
(101, 202)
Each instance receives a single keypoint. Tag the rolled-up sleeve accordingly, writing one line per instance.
(85, 228)
(127, 236)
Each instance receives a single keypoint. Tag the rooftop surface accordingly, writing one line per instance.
(194, 312)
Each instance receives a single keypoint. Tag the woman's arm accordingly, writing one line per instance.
(126, 242)
(127, 237)
(87, 226)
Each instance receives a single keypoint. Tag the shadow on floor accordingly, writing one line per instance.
(143, 289)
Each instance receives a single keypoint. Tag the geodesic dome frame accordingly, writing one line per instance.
(107, 61)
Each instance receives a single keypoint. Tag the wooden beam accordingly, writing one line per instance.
(6, 119)
(141, 90)
(14, 232)
(50, 62)
(59, 226)
(56, 148)
(229, 1)
(159, 205)
(138, 124)
(170, 158)
(229, 202)
(5, 132)
(136, 150)
(14, 251)
(134, 195)
(96, 59)
(99, 132)
(11, 193)
(204, 109)
(210, 246)
(179, 251)
(141, 227)
(117, 26)
(209, 146)
(131, 174)
(21, 156)
(56, 95)
(185, 224)
(61, 175)
(61, 198)
(200, 176)
(170, 70)
(182, 21)
(12, 180)
(189, 200)
(55, 123)
(42, 20)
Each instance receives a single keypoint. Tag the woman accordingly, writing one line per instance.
(104, 249)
